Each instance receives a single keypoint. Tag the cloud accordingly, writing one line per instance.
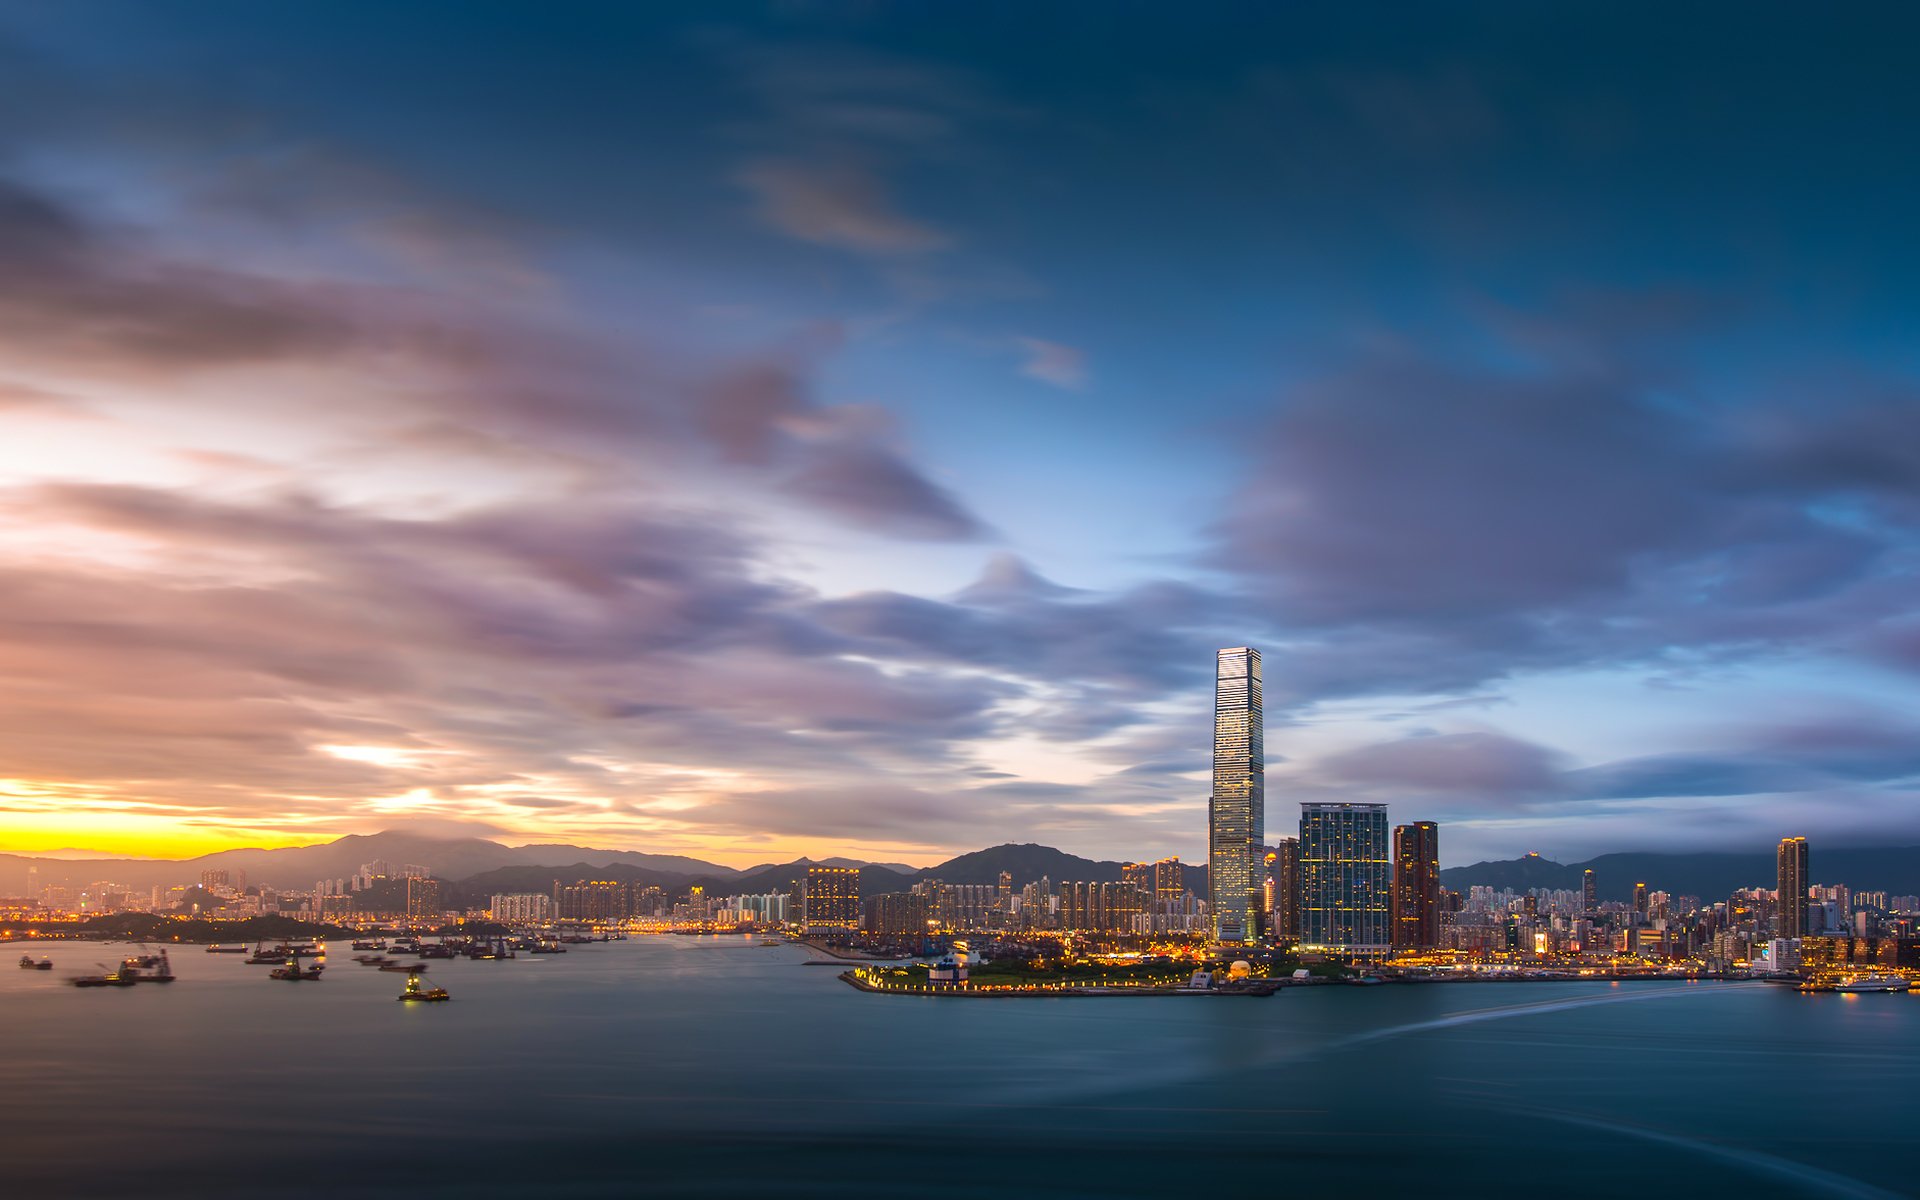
(1486, 767)
(871, 486)
(1051, 362)
(1421, 527)
(836, 204)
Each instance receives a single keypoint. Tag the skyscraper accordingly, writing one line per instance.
(1416, 886)
(1236, 812)
(1346, 879)
(1588, 901)
(423, 898)
(1639, 904)
(1793, 887)
(1285, 873)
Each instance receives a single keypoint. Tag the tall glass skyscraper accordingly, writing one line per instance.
(1346, 880)
(1793, 887)
(1237, 811)
(1416, 886)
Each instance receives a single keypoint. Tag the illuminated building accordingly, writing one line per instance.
(598, 900)
(1236, 811)
(1283, 868)
(212, 880)
(966, 905)
(423, 898)
(1793, 887)
(521, 908)
(1169, 880)
(833, 899)
(1346, 879)
(1639, 903)
(1590, 903)
(1416, 886)
(894, 914)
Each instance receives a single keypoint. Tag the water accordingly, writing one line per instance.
(706, 1066)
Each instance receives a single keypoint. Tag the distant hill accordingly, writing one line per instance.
(1709, 876)
(788, 876)
(301, 866)
(1028, 862)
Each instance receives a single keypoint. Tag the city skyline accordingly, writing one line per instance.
(802, 431)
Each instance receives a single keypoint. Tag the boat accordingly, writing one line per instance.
(415, 992)
(374, 944)
(493, 950)
(27, 963)
(1872, 983)
(294, 972)
(109, 979)
(148, 968)
(217, 948)
(263, 957)
(440, 950)
(409, 968)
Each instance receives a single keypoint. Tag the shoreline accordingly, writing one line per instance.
(845, 955)
(1266, 988)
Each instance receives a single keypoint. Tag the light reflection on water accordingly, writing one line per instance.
(682, 1066)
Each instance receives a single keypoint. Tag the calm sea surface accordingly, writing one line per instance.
(707, 1066)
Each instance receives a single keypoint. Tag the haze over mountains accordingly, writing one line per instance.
(482, 867)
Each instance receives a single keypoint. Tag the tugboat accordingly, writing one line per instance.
(415, 992)
(27, 963)
(294, 972)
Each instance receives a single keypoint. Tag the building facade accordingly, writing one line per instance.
(1793, 887)
(833, 900)
(423, 898)
(1236, 811)
(595, 900)
(1346, 880)
(1416, 886)
(522, 908)
(1283, 870)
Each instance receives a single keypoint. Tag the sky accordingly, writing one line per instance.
(754, 431)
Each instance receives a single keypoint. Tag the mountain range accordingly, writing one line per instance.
(1893, 869)
(480, 867)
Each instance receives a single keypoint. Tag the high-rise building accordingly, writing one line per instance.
(1416, 886)
(521, 908)
(1236, 812)
(833, 900)
(1639, 904)
(1169, 880)
(1346, 880)
(1590, 903)
(1793, 887)
(595, 900)
(210, 880)
(1283, 879)
(423, 898)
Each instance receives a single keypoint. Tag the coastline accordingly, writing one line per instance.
(1263, 988)
(844, 955)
